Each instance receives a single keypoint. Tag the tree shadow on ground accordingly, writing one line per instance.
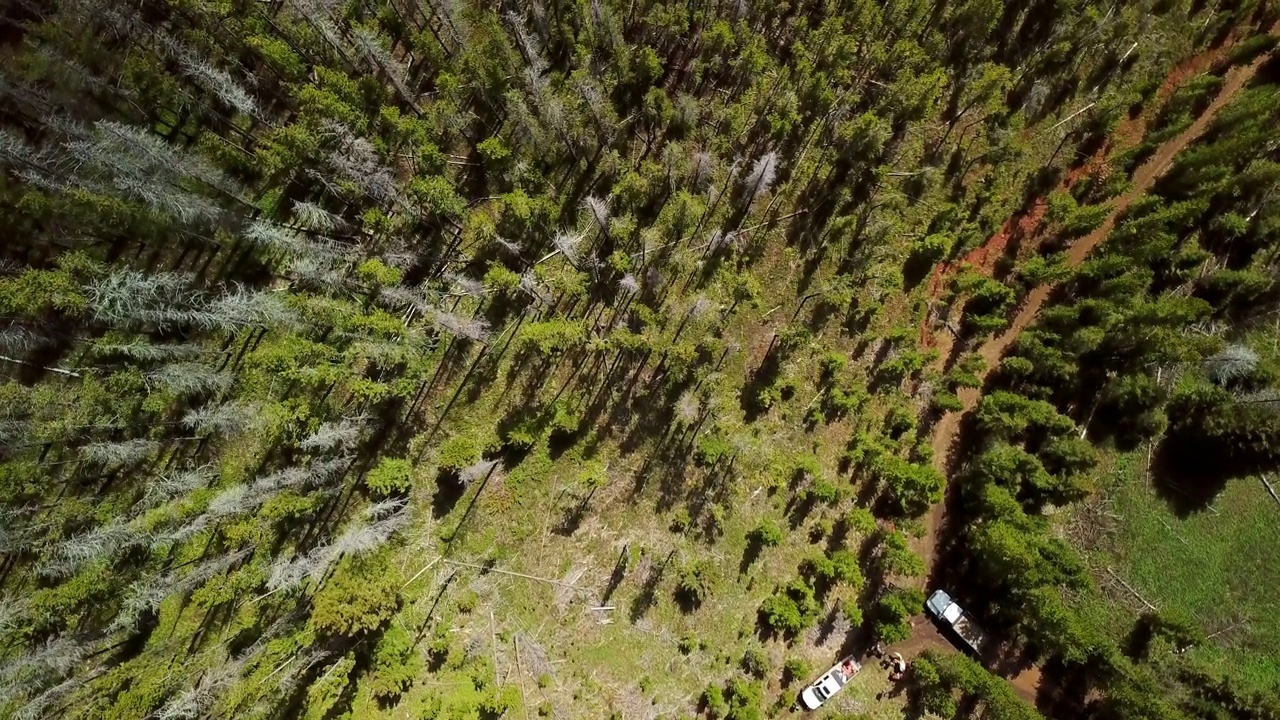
(617, 576)
(750, 554)
(573, 515)
(449, 491)
(1188, 473)
(1065, 691)
(649, 590)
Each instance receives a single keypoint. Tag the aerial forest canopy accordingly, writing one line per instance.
(459, 360)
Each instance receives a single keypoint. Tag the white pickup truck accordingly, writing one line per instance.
(831, 682)
(949, 612)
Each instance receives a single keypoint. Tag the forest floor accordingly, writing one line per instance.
(1029, 225)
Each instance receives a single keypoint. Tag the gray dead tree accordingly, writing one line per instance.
(228, 418)
(143, 167)
(30, 671)
(131, 298)
(315, 218)
(140, 349)
(384, 63)
(115, 455)
(364, 537)
(1233, 362)
(209, 77)
(101, 543)
(12, 611)
(190, 378)
(356, 161)
(341, 435)
(193, 702)
(598, 209)
(471, 328)
(243, 308)
(167, 487)
(146, 595)
(475, 471)
(761, 178)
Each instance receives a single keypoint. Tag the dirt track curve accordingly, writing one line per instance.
(947, 429)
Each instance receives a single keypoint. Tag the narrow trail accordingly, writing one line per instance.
(1029, 222)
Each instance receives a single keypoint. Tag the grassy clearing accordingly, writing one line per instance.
(624, 546)
(1217, 565)
(641, 657)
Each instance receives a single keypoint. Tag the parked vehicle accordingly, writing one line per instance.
(831, 682)
(948, 611)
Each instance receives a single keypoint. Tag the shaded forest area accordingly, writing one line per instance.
(317, 317)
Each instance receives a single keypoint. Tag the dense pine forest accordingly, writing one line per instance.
(460, 360)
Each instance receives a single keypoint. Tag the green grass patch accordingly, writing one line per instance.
(1217, 565)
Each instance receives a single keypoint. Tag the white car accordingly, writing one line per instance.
(831, 682)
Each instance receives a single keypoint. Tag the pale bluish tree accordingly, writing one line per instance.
(315, 218)
(147, 594)
(511, 246)
(568, 245)
(114, 455)
(36, 708)
(234, 500)
(19, 340)
(101, 543)
(598, 209)
(628, 284)
(12, 432)
(356, 161)
(529, 46)
(228, 418)
(274, 238)
(530, 284)
(761, 177)
(452, 19)
(703, 167)
(370, 46)
(471, 328)
(193, 702)
(12, 613)
(463, 285)
(190, 378)
(411, 297)
(366, 538)
(323, 272)
(129, 297)
(31, 670)
(146, 168)
(242, 308)
(186, 531)
(208, 76)
(341, 435)
(140, 349)
(1233, 362)
(475, 471)
(178, 484)
(15, 151)
(386, 518)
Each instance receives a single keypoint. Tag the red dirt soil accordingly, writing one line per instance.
(1028, 223)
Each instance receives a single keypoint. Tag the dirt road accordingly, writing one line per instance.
(947, 429)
